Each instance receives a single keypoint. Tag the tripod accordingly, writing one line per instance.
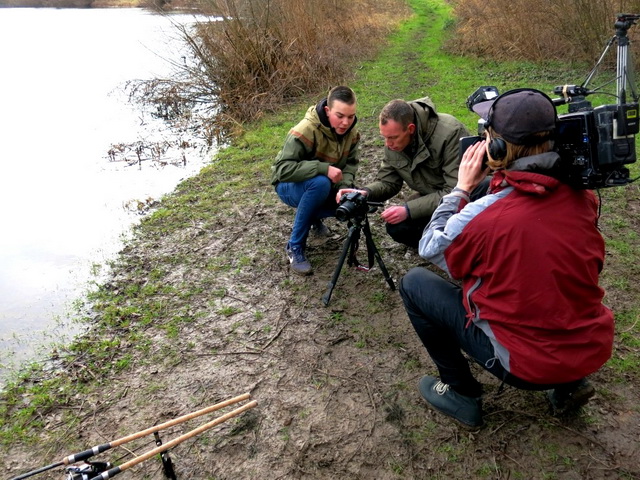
(358, 224)
(625, 76)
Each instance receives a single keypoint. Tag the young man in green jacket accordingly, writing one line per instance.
(422, 149)
(319, 157)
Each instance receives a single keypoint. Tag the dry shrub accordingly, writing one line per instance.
(46, 3)
(259, 54)
(572, 30)
(265, 52)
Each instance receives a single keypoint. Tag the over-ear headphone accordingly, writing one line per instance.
(497, 146)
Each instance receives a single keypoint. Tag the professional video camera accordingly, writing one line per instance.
(594, 144)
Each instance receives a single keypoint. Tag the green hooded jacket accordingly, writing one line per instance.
(432, 167)
(312, 146)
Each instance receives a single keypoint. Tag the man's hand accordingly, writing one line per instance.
(395, 214)
(334, 174)
(342, 191)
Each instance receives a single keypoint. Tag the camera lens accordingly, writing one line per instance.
(345, 211)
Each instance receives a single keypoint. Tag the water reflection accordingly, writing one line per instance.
(63, 204)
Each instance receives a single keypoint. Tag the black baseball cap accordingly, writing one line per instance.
(518, 114)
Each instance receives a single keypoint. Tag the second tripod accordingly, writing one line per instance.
(358, 224)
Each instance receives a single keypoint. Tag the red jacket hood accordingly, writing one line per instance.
(528, 175)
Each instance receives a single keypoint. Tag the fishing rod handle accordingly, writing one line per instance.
(182, 419)
(78, 457)
(176, 441)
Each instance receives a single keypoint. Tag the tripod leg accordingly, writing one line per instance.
(351, 237)
(167, 464)
(373, 251)
(385, 272)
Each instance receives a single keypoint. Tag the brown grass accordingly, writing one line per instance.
(261, 54)
(46, 3)
(538, 29)
(81, 3)
(266, 52)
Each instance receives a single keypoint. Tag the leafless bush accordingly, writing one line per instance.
(254, 55)
(573, 30)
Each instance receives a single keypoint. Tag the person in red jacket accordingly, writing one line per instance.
(528, 256)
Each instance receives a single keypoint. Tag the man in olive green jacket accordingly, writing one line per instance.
(319, 157)
(422, 149)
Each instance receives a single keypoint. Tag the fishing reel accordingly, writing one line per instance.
(86, 471)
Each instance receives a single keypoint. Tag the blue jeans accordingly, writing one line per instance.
(435, 308)
(314, 199)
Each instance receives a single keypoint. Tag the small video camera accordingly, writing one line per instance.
(466, 142)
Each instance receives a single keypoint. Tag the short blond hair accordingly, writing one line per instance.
(398, 111)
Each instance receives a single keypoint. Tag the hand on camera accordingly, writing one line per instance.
(342, 191)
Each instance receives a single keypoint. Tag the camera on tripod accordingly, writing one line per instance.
(594, 144)
(352, 205)
(353, 208)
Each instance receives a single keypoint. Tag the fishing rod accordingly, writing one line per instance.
(116, 470)
(77, 457)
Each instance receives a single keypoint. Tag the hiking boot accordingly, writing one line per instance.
(565, 400)
(298, 262)
(319, 229)
(466, 410)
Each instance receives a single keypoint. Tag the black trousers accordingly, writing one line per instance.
(435, 308)
(408, 232)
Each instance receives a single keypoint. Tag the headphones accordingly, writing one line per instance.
(497, 146)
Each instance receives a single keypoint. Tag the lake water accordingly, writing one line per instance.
(64, 206)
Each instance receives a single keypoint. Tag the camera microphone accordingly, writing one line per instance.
(571, 90)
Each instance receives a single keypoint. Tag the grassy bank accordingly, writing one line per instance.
(200, 303)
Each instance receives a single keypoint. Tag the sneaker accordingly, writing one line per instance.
(319, 229)
(298, 261)
(564, 401)
(466, 410)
